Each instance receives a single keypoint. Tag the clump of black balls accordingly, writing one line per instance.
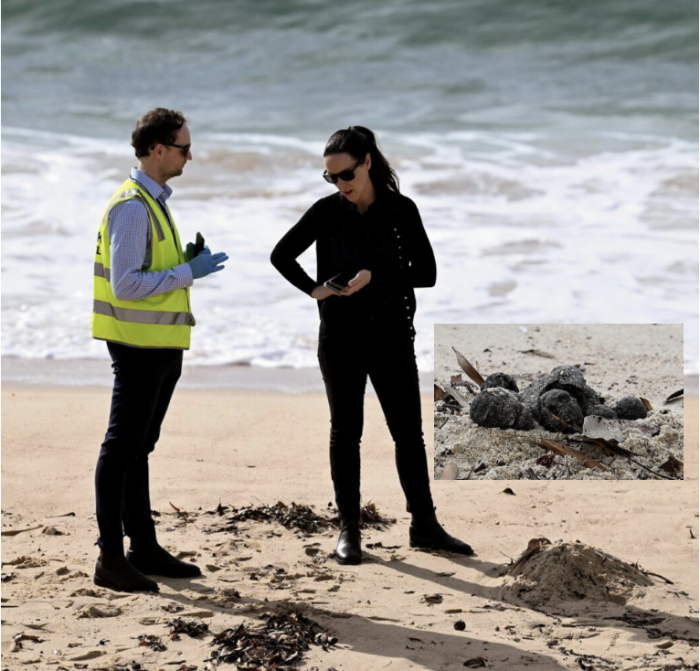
(558, 401)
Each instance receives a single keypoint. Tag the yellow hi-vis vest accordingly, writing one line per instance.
(162, 321)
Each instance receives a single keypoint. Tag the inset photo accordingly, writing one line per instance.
(558, 402)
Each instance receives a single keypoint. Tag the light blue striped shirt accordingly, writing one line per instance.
(130, 238)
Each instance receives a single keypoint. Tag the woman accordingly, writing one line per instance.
(372, 235)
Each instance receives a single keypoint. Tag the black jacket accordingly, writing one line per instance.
(388, 239)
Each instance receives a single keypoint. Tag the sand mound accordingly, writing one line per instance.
(560, 576)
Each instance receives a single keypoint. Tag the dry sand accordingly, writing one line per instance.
(253, 448)
(616, 360)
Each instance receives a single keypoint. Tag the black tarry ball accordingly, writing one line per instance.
(571, 380)
(564, 406)
(604, 411)
(631, 407)
(569, 376)
(530, 395)
(500, 380)
(591, 398)
(460, 625)
(525, 421)
(497, 408)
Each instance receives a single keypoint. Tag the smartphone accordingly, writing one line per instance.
(198, 244)
(339, 282)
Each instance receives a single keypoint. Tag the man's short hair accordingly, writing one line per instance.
(159, 126)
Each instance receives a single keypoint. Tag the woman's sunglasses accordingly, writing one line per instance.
(347, 175)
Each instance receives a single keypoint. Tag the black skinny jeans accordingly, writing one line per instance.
(144, 381)
(394, 374)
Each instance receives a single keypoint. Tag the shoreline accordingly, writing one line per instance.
(80, 373)
(77, 373)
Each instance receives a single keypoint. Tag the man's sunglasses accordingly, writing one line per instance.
(184, 147)
(347, 175)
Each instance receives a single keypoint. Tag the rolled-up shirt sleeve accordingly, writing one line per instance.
(129, 236)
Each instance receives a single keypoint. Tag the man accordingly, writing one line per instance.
(142, 309)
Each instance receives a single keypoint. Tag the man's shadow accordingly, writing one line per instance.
(427, 649)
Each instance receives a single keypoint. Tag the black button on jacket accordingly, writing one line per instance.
(388, 239)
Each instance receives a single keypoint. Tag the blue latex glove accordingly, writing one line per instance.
(206, 263)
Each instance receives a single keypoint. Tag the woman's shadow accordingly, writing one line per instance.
(641, 622)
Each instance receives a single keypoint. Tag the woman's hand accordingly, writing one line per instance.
(362, 279)
(321, 293)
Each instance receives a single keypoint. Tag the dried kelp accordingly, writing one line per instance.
(192, 628)
(153, 642)
(370, 517)
(299, 517)
(279, 644)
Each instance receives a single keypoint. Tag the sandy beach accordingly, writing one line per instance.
(245, 448)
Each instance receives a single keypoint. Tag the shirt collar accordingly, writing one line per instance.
(153, 188)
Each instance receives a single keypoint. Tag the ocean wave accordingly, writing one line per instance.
(592, 236)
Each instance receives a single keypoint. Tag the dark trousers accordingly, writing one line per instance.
(394, 375)
(144, 381)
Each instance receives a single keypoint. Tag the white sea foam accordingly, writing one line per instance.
(526, 228)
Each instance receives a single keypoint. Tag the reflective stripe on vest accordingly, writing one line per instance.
(101, 271)
(141, 316)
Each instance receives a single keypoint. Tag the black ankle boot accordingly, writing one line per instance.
(426, 532)
(113, 571)
(349, 548)
(155, 560)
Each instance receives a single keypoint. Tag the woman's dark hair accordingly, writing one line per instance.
(157, 126)
(359, 141)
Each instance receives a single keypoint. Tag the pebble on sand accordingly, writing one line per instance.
(631, 407)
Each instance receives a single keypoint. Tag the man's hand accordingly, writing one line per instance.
(321, 293)
(362, 279)
(206, 263)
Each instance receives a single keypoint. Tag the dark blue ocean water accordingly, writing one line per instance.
(310, 66)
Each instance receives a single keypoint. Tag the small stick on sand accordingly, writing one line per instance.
(563, 450)
(450, 391)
